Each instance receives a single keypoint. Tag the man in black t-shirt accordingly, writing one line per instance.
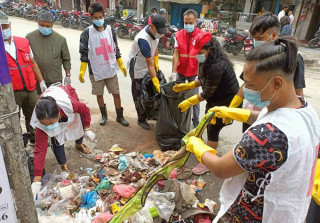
(265, 28)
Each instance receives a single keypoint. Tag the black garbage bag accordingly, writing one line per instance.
(150, 98)
(172, 124)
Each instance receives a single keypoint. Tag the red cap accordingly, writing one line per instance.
(200, 40)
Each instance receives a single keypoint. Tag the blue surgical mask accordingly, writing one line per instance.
(45, 31)
(257, 43)
(189, 28)
(51, 127)
(254, 97)
(201, 57)
(99, 22)
(155, 13)
(6, 33)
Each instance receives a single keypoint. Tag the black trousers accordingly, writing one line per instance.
(136, 89)
(313, 213)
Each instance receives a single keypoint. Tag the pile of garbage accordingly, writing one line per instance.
(97, 194)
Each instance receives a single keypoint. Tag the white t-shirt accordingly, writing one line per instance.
(11, 49)
(281, 14)
(176, 44)
(291, 19)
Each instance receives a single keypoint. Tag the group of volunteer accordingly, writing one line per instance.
(269, 173)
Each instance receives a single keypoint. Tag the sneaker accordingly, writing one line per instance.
(200, 169)
(145, 125)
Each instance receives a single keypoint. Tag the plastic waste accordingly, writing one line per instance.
(200, 183)
(104, 184)
(124, 190)
(172, 124)
(173, 174)
(123, 165)
(163, 202)
(89, 199)
(68, 191)
(116, 148)
(187, 193)
(83, 217)
(102, 218)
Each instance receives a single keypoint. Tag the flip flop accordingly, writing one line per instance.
(83, 148)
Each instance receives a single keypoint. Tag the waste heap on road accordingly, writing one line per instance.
(96, 195)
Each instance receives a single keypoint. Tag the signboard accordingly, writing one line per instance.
(4, 69)
(7, 210)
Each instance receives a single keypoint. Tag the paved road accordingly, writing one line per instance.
(133, 136)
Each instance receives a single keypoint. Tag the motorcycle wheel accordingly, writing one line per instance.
(65, 22)
(313, 43)
(84, 24)
(16, 14)
(121, 34)
(75, 25)
(35, 18)
(134, 35)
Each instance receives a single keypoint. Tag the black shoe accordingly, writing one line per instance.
(104, 116)
(120, 118)
(144, 125)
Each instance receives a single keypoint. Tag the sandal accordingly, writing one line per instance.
(64, 168)
(83, 148)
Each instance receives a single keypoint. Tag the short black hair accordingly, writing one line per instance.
(154, 9)
(280, 54)
(189, 12)
(46, 108)
(285, 6)
(264, 22)
(96, 7)
(285, 20)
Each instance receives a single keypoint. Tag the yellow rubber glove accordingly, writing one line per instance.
(236, 101)
(156, 62)
(83, 68)
(156, 83)
(185, 105)
(122, 68)
(316, 185)
(238, 114)
(184, 87)
(196, 145)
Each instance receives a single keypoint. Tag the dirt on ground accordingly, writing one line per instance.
(132, 138)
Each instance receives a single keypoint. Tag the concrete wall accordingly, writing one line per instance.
(303, 26)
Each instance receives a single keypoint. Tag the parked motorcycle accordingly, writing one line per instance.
(315, 42)
(136, 29)
(75, 19)
(124, 29)
(233, 42)
(29, 14)
(85, 21)
(65, 19)
(170, 41)
(248, 45)
(8, 8)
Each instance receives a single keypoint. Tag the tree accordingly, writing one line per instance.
(12, 146)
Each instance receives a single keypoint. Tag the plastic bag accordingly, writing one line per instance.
(105, 184)
(163, 202)
(102, 218)
(124, 190)
(89, 199)
(150, 98)
(123, 165)
(172, 124)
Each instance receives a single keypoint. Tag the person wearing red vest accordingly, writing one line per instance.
(184, 66)
(24, 72)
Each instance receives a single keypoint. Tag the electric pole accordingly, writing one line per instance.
(12, 147)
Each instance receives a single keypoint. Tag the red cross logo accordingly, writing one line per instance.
(104, 49)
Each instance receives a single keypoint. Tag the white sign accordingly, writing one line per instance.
(7, 210)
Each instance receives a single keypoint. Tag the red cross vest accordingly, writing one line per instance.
(21, 72)
(187, 65)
